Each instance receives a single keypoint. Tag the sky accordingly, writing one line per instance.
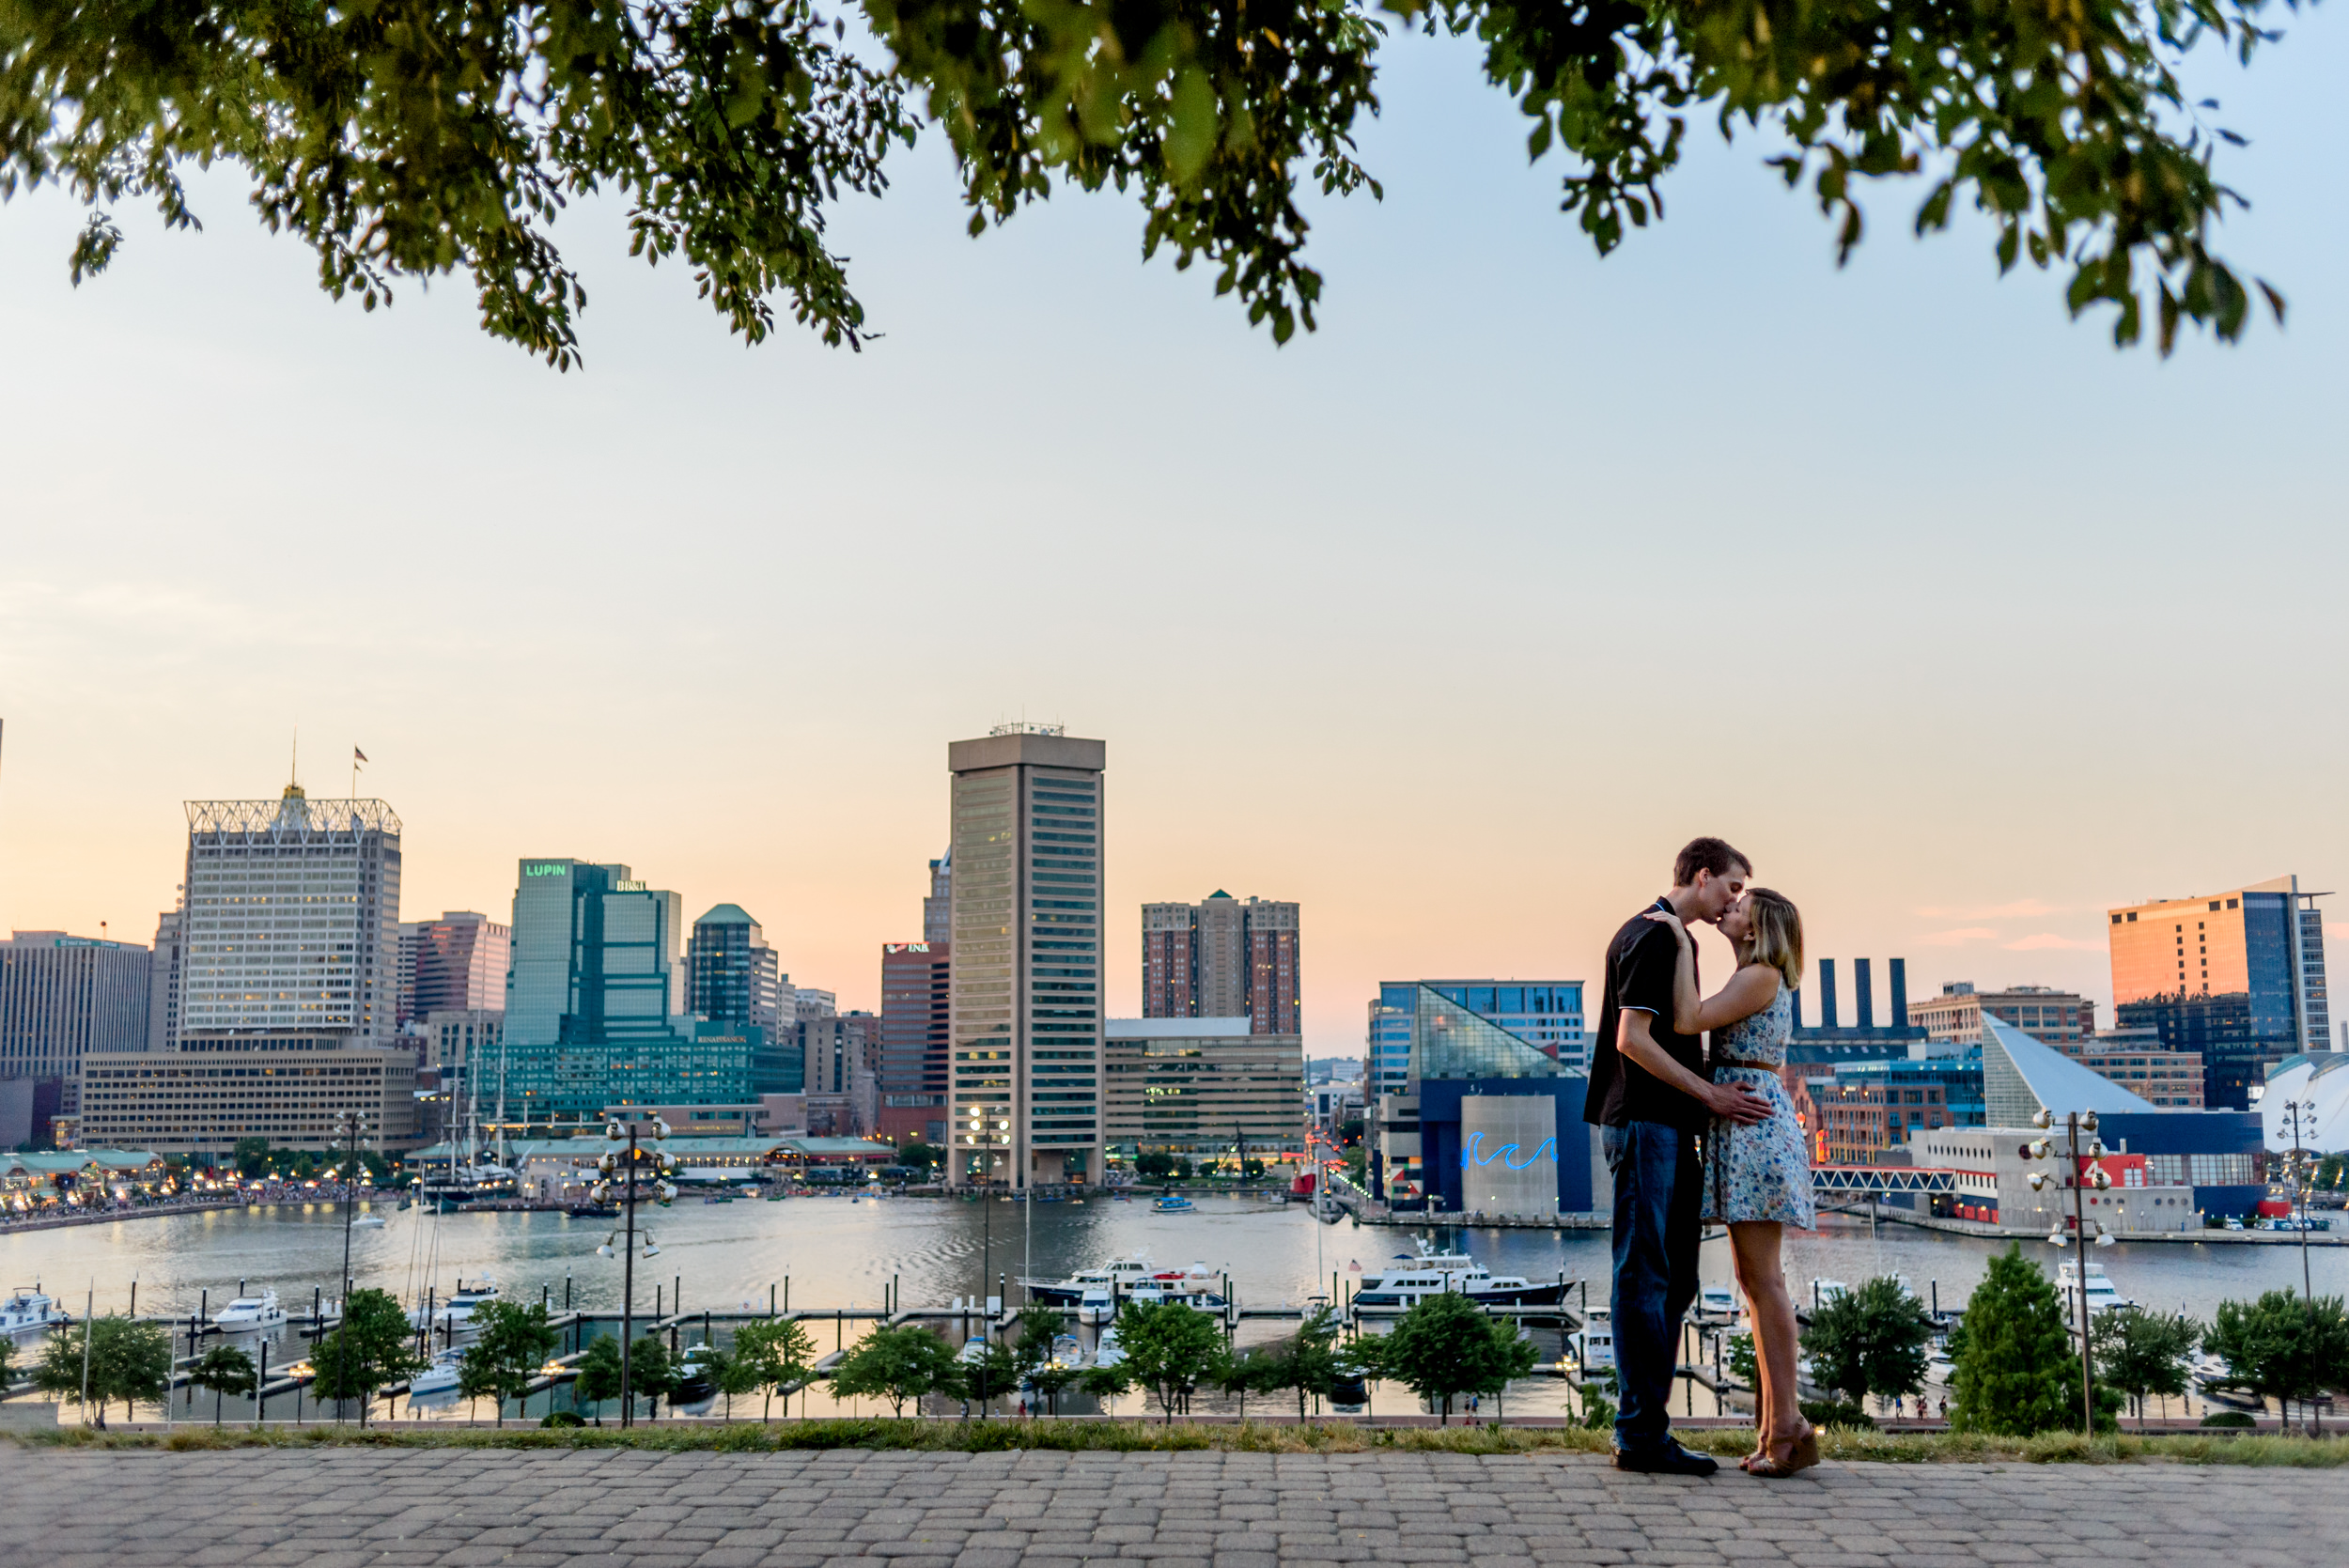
(1451, 622)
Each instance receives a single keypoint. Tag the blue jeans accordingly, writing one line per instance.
(1660, 1190)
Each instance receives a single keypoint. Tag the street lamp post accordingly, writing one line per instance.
(353, 1124)
(2074, 1123)
(659, 1166)
(2301, 1113)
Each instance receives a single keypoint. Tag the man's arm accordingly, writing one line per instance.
(1732, 1102)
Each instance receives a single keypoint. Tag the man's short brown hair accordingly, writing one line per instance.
(1707, 854)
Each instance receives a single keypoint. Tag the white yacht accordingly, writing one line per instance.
(1433, 1273)
(1593, 1345)
(439, 1377)
(1716, 1301)
(457, 1309)
(1096, 1303)
(1824, 1291)
(1115, 1275)
(248, 1313)
(1190, 1290)
(1109, 1352)
(2102, 1297)
(29, 1308)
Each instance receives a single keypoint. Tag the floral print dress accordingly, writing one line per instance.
(1761, 1170)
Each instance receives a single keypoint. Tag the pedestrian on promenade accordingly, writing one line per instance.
(1651, 1101)
(1757, 1172)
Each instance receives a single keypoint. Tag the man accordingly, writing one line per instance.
(1651, 1098)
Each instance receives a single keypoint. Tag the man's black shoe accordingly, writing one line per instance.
(1666, 1458)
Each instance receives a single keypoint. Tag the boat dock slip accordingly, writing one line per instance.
(618, 1508)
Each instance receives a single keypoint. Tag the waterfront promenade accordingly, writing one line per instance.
(447, 1508)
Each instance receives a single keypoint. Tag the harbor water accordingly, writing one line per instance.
(822, 1253)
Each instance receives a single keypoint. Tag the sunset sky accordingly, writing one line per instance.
(1450, 623)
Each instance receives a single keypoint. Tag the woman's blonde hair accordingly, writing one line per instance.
(1777, 932)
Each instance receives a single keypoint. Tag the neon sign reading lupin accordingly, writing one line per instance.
(1472, 1155)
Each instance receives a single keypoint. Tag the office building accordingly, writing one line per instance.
(215, 1089)
(1028, 817)
(915, 1018)
(732, 975)
(1856, 1121)
(1481, 1122)
(2236, 977)
(1223, 958)
(2058, 1019)
(64, 996)
(162, 980)
(938, 909)
(2137, 1061)
(1544, 1014)
(465, 1047)
(1204, 1089)
(455, 964)
(292, 920)
(596, 1000)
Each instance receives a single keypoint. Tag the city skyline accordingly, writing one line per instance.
(832, 950)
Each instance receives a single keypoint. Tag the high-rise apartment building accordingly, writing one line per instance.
(596, 1000)
(162, 980)
(291, 919)
(1027, 846)
(1223, 958)
(455, 964)
(915, 1023)
(1544, 1014)
(62, 998)
(2237, 976)
(2058, 1019)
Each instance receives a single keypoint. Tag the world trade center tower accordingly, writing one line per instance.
(1026, 1013)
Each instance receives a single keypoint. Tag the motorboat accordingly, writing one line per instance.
(1716, 1302)
(1826, 1291)
(367, 1222)
(1189, 1291)
(1067, 1353)
(248, 1313)
(1097, 1304)
(2102, 1296)
(1349, 1390)
(696, 1376)
(1433, 1273)
(457, 1309)
(29, 1308)
(1114, 1276)
(1107, 1353)
(1594, 1345)
(1173, 1202)
(441, 1376)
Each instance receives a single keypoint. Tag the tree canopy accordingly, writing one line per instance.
(115, 1357)
(2017, 1371)
(899, 1363)
(512, 1344)
(773, 1354)
(1447, 1345)
(1870, 1341)
(404, 139)
(2285, 1347)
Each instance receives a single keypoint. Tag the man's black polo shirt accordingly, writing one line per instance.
(1640, 965)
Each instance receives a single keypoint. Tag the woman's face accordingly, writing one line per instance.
(1738, 924)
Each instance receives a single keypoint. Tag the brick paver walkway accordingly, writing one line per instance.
(623, 1509)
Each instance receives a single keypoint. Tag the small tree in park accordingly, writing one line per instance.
(223, 1369)
(114, 1357)
(2017, 1371)
(776, 1355)
(1870, 1341)
(514, 1343)
(2142, 1353)
(1170, 1349)
(371, 1347)
(2287, 1349)
(899, 1364)
(1446, 1346)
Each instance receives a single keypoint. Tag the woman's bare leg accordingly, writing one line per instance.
(1755, 1244)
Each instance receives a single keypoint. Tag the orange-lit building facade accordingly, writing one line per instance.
(2237, 977)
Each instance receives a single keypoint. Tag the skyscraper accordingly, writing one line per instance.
(63, 997)
(733, 975)
(162, 980)
(595, 1000)
(1026, 1016)
(915, 1018)
(455, 964)
(2238, 976)
(291, 920)
(938, 914)
(1223, 958)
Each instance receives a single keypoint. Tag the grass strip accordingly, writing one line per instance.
(990, 1436)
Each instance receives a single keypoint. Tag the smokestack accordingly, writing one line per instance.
(1900, 993)
(1863, 994)
(1827, 993)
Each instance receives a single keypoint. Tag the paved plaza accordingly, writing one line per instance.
(259, 1507)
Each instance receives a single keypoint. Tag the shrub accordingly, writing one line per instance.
(2016, 1373)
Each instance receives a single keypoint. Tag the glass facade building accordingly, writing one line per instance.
(1544, 1014)
(595, 1007)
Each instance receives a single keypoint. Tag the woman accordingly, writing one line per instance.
(1757, 1178)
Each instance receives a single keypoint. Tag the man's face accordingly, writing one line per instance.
(1715, 895)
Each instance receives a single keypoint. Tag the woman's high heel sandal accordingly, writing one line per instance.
(1801, 1453)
